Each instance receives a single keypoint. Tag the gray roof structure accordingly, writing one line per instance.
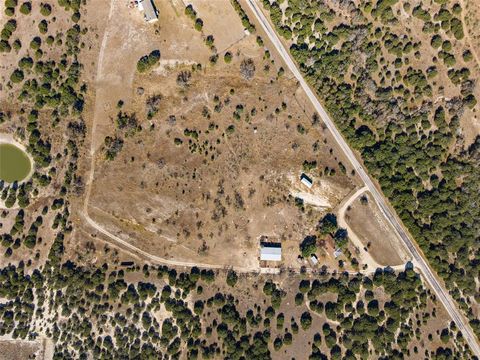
(270, 252)
(150, 13)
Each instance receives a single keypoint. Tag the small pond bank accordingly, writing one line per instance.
(15, 163)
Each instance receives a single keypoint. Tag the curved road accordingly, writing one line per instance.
(364, 256)
(418, 258)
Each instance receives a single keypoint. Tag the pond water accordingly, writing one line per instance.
(14, 163)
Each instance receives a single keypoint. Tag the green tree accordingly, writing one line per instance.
(308, 246)
(232, 278)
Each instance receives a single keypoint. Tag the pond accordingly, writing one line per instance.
(14, 163)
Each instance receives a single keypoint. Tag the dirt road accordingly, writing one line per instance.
(364, 256)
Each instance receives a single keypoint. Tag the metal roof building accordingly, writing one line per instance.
(306, 181)
(150, 13)
(270, 252)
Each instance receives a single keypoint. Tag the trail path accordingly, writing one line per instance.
(365, 257)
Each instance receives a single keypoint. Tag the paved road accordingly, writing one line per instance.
(417, 256)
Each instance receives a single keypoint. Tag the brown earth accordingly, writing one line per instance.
(222, 189)
(211, 198)
(374, 232)
(20, 350)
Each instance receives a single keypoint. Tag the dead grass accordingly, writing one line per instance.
(223, 188)
(20, 350)
(375, 233)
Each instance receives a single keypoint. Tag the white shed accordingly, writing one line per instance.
(306, 181)
(150, 12)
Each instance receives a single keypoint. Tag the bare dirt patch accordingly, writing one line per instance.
(374, 232)
(20, 350)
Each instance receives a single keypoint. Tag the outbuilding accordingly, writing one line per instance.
(270, 252)
(306, 181)
(150, 12)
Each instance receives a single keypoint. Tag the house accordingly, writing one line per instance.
(270, 252)
(150, 12)
(337, 253)
(306, 181)
(314, 260)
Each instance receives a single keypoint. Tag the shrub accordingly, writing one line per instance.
(43, 26)
(183, 78)
(328, 224)
(227, 57)
(36, 43)
(45, 9)
(17, 76)
(11, 3)
(17, 44)
(26, 8)
(457, 28)
(306, 320)
(25, 63)
(190, 12)
(247, 69)
(5, 46)
(198, 24)
(232, 278)
(76, 17)
(308, 246)
(148, 61)
(9, 11)
(467, 55)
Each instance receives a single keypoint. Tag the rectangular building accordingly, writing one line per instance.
(150, 12)
(306, 181)
(270, 252)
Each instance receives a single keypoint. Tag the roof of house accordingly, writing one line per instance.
(150, 12)
(270, 253)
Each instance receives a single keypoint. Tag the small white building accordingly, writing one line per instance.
(314, 260)
(337, 253)
(306, 181)
(270, 252)
(150, 12)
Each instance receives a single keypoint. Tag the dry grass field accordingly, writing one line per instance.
(20, 350)
(217, 165)
(374, 232)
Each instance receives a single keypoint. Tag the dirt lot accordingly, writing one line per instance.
(374, 232)
(20, 350)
